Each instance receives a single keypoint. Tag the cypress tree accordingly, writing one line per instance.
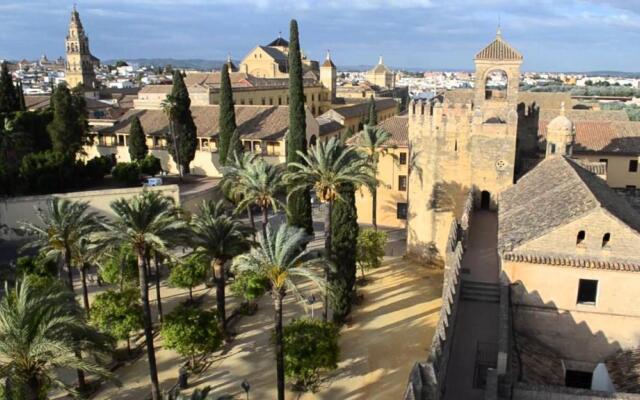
(69, 125)
(138, 148)
(299, 204)
(373, 113)
(22, 104)
(227, 119)
(344, 235)
(184, 127)
(9, 101)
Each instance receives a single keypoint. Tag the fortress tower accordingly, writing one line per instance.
(80, 62)
(463, 140)
(328, 76)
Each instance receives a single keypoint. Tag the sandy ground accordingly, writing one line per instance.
(388, 333)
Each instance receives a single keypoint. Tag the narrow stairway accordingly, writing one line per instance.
(480, 292)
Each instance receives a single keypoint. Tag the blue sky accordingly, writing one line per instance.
(553, 35)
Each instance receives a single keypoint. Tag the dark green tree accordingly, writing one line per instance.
(298, 204)
(9, 101)
(21, 101)
(118, 313)
(185, 131)
(138, 148)
(68, 127)
(344, 233)
(188, 274)
(373, 113)
(227, 119)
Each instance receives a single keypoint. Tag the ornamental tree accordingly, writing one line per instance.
(188, 274)
(118, 313)
(370, 249)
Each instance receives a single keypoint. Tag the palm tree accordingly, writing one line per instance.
(261, 184)
(169, 109)
(40, 330)
(231, 182)
(373, 141)
(145, 222)
(327, 167)
(83, 257)
(281, 258)
(219, 238)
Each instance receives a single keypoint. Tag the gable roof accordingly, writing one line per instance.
(398, 127)
(275, 53)
(557, 191)
(499, 50)
(279, 41)
(617, 137)
(363, 107)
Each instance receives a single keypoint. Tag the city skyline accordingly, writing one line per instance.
(573, 36)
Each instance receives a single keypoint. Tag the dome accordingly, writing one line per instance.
(560, 123)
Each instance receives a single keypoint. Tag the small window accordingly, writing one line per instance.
(605, 239)
(581, 236)
(587, 291)
(633, 165)
(455, 145)
(263, 101)
(242, 102)
(270, 101)
(552, 148)
(631, 187)
(121, 141)
(313, 98)
(605, 161)
(279, 101)
(578, 379)
(251, 102)
(402, 183)
(403, 158)
(401, 210)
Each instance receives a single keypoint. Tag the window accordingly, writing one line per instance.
(279, 101)
(552, 148)
(273, 148)
(263, 101)
(633, 165)
(581, 236)
(313, 97)
(605, 239)
(250, 102)
(587, 291)
(578, 379)
(605, 161)
(403, 158)
(631, 187)
(402, 183)
(455, 145)
(242, 101)
(270, 101)
(121, 141)
(401, 210)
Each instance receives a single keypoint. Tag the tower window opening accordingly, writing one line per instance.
(581, 236)
(605, 240)
(496, 85)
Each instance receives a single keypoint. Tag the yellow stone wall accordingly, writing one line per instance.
(618, 175)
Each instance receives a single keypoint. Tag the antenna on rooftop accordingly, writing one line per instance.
(499, 32)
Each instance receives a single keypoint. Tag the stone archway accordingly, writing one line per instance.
(485, 200)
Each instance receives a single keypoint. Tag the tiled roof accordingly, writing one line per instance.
(280, 42)
(328, 126)
(545, 101)
(36, 102)
(556, 192)
(163, 89)
(363, 107)
(254, 122)
(499, 50)
(212, 79)
(585, 115)
(398, 127)
(602, 136)
(624, 370)
(275, 54)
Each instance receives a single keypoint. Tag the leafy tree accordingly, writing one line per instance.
(118, 313)
(250, 285)
(38, 265)
(127, 173)
(188, 274)
(298, 204)
(138, 148)
(98, 167)
(218, 238)
(344, 234)
(370, 249)
(47, 172)
(311, 347)
(40, 331)
(119, 267)
(191, 332)
(184, 129)
(150, 165)
(373, 142)
(282, 258)
(327, 168)
(373, 113)
(68, 128)
(121, 63)
(227, 120)
(145, 222)
(9, 101)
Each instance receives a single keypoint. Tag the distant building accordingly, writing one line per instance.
(381, 75)
(272, 61)
(80, 62)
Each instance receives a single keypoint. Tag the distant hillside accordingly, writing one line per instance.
(195, 63)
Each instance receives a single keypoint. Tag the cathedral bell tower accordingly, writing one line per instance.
(80, 62)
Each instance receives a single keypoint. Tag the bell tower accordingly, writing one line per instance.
(328, 76)
(80, 62)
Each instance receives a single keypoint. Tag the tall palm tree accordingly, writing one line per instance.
(169, 109)
(83, 257)
(147, 221)
(40, 329)
(231, 182)
(373, 141)
(327, 167)
(281, 258)
(63, 223)
(219, 238)
(261, 185)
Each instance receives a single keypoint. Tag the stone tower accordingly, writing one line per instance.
(80, 62)
(328, 76)
(463, 141)
(560, 136)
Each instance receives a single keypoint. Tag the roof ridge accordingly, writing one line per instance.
(573, 165)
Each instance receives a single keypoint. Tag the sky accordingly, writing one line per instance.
(553, 35)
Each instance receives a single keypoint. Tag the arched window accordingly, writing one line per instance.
(581, 236)
(605, 239)
(495, 85)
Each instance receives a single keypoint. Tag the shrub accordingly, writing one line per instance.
(98, 167)
(127, 173)
(191, 332)
(47, 172)
(120, 268)
(38, 265)
(150, 165)
(370, 249)
(249, 285)
(118, 314)
(310, 348)
(188, 274)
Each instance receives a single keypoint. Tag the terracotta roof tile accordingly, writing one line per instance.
(499, 50)
(602, 136)
(398, 127)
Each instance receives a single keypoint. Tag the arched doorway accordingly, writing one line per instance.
(485, 200)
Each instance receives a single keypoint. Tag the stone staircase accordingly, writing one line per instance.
(480, 291)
